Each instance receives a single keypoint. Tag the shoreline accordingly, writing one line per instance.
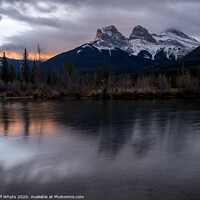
(134, 97)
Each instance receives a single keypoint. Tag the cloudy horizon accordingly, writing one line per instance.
(62, 25)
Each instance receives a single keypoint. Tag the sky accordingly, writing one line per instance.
(60, 25)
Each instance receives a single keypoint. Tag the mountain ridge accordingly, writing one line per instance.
(89, 57)
(174, 43)
(127, 55)
(191, 60)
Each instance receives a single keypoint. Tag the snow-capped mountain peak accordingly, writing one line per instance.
(178, 33)
(141, 33)
(109, 33)
(110, 37)
(173, 43)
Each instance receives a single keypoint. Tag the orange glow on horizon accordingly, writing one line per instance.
(31, 56)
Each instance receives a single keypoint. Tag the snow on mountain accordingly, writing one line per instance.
(175, 44)
(109, 37)
(141, 33)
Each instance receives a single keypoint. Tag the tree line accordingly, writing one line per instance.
(35, 80)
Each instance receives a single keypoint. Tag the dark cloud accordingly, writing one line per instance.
(69, 23)
(16, 14)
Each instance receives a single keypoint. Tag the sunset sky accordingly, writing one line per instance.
(61, 25)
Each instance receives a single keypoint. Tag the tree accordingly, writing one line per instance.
(12, 73)
(163, 83)
(5, 74)
(42, 73)
(105, 73)
(18, 74)
(97, 77)
(39, 54)
(33, 72)
(49, 78)
(65, 67)
(88, 76)
(54, 75)
(26, 69)
(71, 67)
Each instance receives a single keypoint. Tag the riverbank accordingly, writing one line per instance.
(102, 94)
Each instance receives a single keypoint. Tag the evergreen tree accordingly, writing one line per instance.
(105, 73)
(26, 69)
(33, 72)
(5, 74)
(49, 78)
(54, 75)
(18, 74)
(97, 77)
(42, 73)
(39, 54)
(12, 73)
(65, 67)
(61, 76)
(88, 75)
(81, 79)
(71, 67)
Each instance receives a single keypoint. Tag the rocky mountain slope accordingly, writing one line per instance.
(89, 57)
(127, 55)
(191, 60)
(168, 45)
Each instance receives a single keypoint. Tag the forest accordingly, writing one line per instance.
(37, 82)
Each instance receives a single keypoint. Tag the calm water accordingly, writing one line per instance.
(103, 150)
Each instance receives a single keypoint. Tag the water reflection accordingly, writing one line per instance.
(77, 146)
(113, 124)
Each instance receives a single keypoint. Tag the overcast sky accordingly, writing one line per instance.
(61, 25)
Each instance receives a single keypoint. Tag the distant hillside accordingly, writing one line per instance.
(15, 63)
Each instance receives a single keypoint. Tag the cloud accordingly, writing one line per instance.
(64, 24)
(15, 13)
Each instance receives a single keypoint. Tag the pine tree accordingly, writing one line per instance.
(105, 73)
(49, 78)
(5, 74)
(26, 69)
(42, 73)
(97, 76)
(18, 74)
(61, 76)
(12, 73)
(33, 72)
(39, 54)
(65, 67)
(71, 67)
(88, 75)
(54, 75)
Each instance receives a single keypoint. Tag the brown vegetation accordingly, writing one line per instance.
(65, 83)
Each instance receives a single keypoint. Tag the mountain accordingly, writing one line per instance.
(191, 60)
(15, 63)
(127, 55)
(88, 56)
(165, 46)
